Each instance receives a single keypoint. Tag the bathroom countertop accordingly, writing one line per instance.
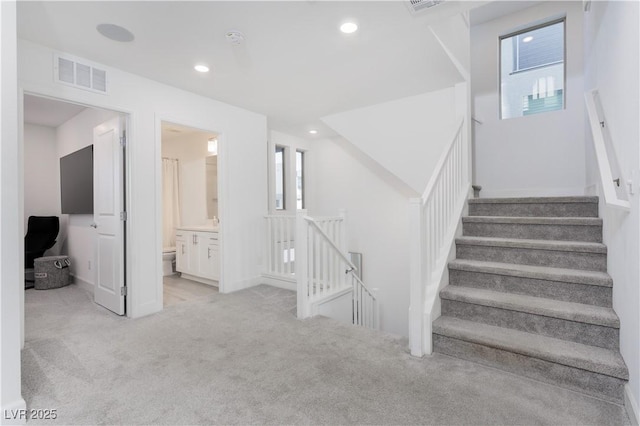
(200, 228)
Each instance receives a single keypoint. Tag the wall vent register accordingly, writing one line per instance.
(70, 72)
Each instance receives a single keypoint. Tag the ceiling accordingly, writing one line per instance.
(295, 66)
(49, 112)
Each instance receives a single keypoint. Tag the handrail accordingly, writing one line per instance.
(352, 267)
(331, 243)
(604, 166)
(434, 177)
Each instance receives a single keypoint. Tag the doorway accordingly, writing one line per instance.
(74, 167)
(190, 212)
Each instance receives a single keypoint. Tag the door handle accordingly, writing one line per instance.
(208, 252)
(182, 246)
(94, 225)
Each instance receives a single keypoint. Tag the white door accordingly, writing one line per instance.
(108, 204)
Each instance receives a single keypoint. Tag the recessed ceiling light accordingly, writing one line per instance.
(115, 32)
(201, 68)
(313, 132)
(527, 39)
(349, 27)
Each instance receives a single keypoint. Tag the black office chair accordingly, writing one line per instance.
(42, 232)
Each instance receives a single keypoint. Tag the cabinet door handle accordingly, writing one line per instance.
(208, 252)
(182, 246)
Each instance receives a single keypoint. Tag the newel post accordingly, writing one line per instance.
(416, 277)
(302, 265)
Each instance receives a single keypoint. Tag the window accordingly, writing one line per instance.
(300, 199)
(532, 70)
(280, 187)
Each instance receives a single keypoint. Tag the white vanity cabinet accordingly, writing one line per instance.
(198, 255)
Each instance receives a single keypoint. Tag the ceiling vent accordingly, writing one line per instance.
(418, 6)
(70, 72)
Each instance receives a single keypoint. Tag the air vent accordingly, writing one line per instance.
(417, 6)
(70, 72)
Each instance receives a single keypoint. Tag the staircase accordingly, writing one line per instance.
(528, 293)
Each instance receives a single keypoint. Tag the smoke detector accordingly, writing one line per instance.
(235, 37)
(417, 6)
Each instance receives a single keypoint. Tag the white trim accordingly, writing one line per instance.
(280, 282)
(244, 284)
(315, 306)
(631, 406)
(19, 406)
(532, 192)
(206, 281)
(82, 283)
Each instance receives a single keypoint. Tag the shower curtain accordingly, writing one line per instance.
(170, 201)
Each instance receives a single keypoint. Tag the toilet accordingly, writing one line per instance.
(168, 261)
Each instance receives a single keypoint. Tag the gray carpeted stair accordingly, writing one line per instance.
(529, 293)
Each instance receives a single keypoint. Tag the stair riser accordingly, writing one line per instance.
(568, 292)
(587, 334)
(586, 233)
(598, 385)
(534, 209)
(526, 256)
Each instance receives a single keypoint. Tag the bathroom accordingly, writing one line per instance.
(190, 254)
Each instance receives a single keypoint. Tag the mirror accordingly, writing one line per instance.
(211, 176)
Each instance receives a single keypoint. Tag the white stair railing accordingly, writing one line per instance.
(323, 271)
(597, 124)
(280, 247)
(434, 219)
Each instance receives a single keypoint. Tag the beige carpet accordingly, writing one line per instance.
(244, 359)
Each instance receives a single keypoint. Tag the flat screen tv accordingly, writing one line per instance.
(76, 182)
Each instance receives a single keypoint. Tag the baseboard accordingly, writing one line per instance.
(14, 413)
(591, 189)
(241, 285)
(201, 280)
(83, 284)
(532, 192)
(631, 406)
(279, 282)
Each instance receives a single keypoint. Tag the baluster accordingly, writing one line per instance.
(268, 246)
(316, 248)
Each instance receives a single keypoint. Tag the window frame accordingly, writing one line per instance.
(527, 29)
(284, 150)
(303, 190)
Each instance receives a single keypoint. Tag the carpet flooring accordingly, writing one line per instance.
(243, 358)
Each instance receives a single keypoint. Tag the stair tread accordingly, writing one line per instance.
(570, 311)
(595, 278)
(533, 200)
(535, 220)
(574, 246)
(585, 357)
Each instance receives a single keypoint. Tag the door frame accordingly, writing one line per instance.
(222, 189)
(126, 117)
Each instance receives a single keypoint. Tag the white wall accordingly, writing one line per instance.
(612, 48)
(541, 154)
(42, 172)
(75, 230)
(405, 136)
(242, 144)
(377, 222)
(11, 237)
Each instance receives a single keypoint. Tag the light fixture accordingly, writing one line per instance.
(349, 27)
(212, 146)
(527, 39)
(115, 32)
(313, 132)
(201, 68)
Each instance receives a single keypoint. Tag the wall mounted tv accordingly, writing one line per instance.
(76, 182)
